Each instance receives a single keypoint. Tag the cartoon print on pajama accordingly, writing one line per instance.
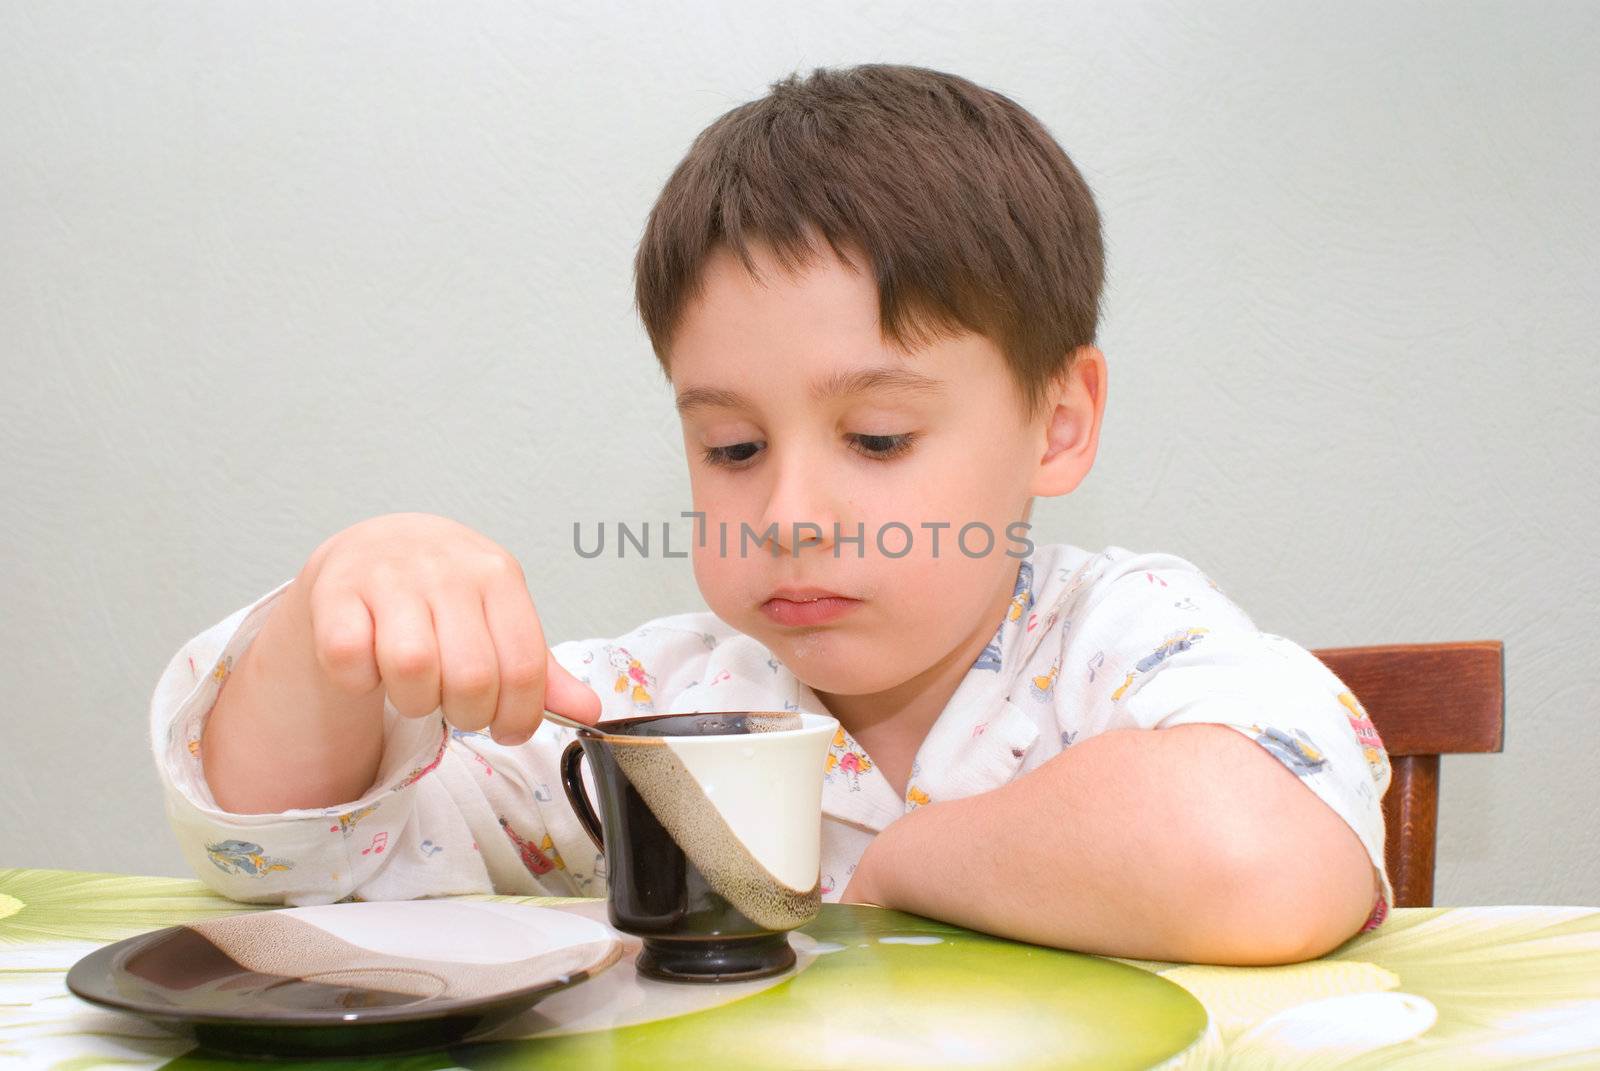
(1366, 735)
(535, 859)
(245, 858)
(1021, 602)
(631, 678)
(1022, 593)
(1039, 687)
(845, 759)
(1181, 640)
(1296, 752)
(348, 820)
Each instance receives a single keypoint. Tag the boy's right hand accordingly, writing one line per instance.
(439, 615)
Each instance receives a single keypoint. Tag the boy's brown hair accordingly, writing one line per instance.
(969, 213)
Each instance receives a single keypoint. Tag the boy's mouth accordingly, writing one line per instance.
(806, 606)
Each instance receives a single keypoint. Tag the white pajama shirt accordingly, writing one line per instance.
(1090, 642)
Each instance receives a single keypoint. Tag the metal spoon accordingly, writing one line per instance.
(568, 723)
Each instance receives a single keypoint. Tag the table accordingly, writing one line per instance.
(1433, 987)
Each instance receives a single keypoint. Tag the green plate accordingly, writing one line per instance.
(977, 1002)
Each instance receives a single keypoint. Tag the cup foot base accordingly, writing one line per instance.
(738, 959)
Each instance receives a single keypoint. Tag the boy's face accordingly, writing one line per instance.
(797, 412)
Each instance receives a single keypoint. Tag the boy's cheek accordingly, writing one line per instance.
(710, 574)
(733, 588)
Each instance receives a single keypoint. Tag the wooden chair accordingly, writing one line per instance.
(1426, 700)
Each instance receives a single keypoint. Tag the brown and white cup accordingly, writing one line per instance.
(711, 826)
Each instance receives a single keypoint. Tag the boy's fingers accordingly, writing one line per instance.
(408, 654)
(566, 694)
(341, 637)
(519, 646)
(469, 669)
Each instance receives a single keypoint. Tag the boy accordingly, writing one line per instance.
(875, 293)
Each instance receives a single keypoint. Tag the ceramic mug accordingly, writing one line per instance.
(711, 825)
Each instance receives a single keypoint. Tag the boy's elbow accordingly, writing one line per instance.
(1290, 906)
(1310, 931)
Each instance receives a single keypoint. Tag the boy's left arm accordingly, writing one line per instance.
(1189, 844)
(1218, 801)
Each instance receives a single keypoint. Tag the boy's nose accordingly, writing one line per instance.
(800, 506)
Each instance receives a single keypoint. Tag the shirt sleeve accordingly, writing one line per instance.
(305, 856)
(1164, 647)
(450, 812)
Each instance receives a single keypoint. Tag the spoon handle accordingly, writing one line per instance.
(568, 723)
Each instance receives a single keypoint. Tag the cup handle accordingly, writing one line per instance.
(572, 781)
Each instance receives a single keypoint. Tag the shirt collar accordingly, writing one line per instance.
(980, 738)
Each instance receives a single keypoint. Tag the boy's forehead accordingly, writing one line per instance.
(952, 370)
(811, 326)
(839, 383)
(822, 292)
(819, 317)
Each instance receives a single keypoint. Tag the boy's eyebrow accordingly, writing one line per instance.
(837, 385)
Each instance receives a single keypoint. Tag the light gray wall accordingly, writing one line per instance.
(266, 270)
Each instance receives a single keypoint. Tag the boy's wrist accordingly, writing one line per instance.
(281, 735)
(873, 881)
(862, 889)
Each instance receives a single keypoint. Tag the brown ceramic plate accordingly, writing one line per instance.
(347, 979)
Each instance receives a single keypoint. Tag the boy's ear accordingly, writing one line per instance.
(1070, 429)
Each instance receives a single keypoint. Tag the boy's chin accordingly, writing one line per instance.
(834, 664)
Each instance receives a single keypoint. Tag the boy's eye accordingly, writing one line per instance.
(881, 447)
(736, 454)
(877, 447)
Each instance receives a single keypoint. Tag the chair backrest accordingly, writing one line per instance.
(1426, 700)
